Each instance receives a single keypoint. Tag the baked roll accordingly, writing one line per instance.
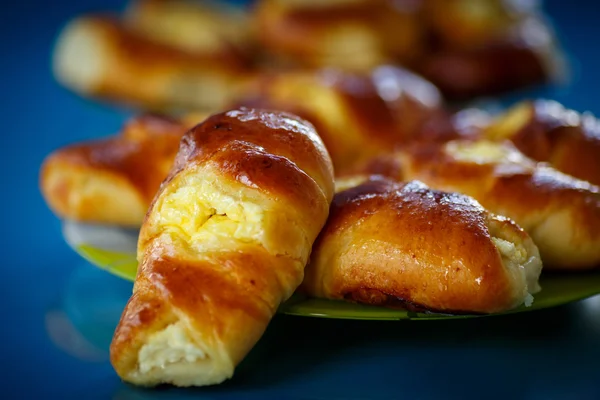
(405, 245)
(205, 27)
(547, 131)
(226, 240)
(99, 56)
(352, 35)
(489, 47)
(113, 180)
(468, 24)
(561, 213)
(358, 115)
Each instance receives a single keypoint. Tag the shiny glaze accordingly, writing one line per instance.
(390, 103)
(305, 33)
(390, 244)
(206, 285)
(515, 179)
(364, 103)
(228, 296)
(143, 153)
(372, 112)
(262, 100)
(275, 176)
(566, 139)
(560, 212)
(268, 135)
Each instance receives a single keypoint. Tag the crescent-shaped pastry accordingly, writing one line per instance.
(561, 213)
(354, 35)
(547, 131)
(204, 27)
(112, 180)
(225, 241)
(358, 115)
(99, 56)
(405, 245)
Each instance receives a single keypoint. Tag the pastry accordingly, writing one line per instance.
(489, 47)
(113, 180)
(352, 35)
(561, 213)
(405, 245)
(101, 57)
(205, 27)
(358, 115)
(225, 241)
(547, 131)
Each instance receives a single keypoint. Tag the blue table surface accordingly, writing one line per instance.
(60, 312)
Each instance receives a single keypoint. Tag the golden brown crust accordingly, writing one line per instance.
(466, 48)
(288, 137)
(493, 70)
(202, 289)
(268, 175)
(197, 27)
(464, 24)
(402, 244)
(351, 35)
(112, 180)
(358, 115)
(561, 213)
(547, 131)
(488, 48)
(123, 58)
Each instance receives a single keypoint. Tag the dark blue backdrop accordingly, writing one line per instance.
(58, 312)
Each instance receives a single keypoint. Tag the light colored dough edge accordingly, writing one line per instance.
(81, 55)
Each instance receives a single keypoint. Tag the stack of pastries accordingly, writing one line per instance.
(322, 169)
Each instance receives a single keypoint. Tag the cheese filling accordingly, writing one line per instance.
(205, 217)
(170, 346)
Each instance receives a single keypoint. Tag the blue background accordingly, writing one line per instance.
(59, 312)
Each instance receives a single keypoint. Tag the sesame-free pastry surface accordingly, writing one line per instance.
(547, 131)
(357, 114)
(101, 57)
(560, 212)
(112, 180)
(224, 243)
(405, 245)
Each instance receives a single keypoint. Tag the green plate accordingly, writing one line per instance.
(113, 250)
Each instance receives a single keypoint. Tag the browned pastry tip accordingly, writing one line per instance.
(112, 180)
(196, 303)
(547, 131)
(396, 244)
(224, 243)
(99, 56)
(290, 138)
(561, 213)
